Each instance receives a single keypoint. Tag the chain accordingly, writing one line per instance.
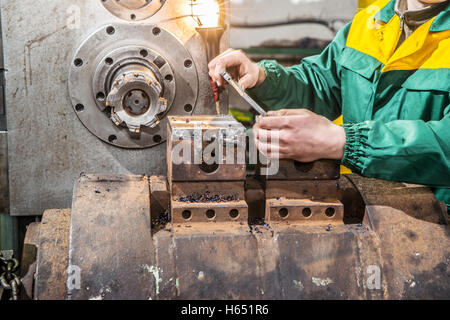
(9, 280)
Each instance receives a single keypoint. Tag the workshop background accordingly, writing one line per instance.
(101, 98)
(287, 30)
(305, 26)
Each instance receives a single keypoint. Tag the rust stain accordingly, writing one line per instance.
(27, 66)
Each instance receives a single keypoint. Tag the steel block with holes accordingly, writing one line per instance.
(304, 192)
(206, 169)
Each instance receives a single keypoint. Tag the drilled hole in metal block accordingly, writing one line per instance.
(209, 168)
(330, 212)
(186, 214)
(307, 212)
(210, 214)
(283, 212)
(234, 214)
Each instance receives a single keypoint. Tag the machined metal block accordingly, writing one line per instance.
(191, 212)
(111, 248)
(304, 210)
(313, 190)
(213, 190)
(206, 148)
(317, 170)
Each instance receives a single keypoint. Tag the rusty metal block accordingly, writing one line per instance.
(208, 191)
(189, 212)
(304, 210)
(314, 190)
(317, 170)
(193, 135)
(52, 258)
(110, 238)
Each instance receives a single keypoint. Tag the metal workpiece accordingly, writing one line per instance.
(134, 82)
(297, 171)
(210, 201)
(304, 211)
(206, 148)
(110, 225)
(133, 10)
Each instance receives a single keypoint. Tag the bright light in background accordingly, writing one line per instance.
(206, 12)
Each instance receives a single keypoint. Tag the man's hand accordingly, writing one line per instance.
(303, 136)
(240, 66)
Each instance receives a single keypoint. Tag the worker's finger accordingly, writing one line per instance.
(288, 112)
(271, 136)
(233, 59)
(277, 113)
(213, 62)
(268, 150)
(274, 123)
(247, 81)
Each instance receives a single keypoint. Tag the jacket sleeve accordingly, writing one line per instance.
(412, 151)
(314, 84)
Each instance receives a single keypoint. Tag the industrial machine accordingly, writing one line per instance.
(107, 95)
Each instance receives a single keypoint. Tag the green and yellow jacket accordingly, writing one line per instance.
(395, 102)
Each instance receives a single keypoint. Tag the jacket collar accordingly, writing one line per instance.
(440, 23)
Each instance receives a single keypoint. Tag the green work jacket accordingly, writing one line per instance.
(395, 102)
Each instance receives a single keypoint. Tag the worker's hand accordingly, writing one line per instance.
(302, 136)
(240, 67)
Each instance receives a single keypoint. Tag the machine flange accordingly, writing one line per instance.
(133, 10)
(110, 53)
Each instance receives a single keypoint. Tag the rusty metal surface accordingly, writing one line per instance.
(416, 255)
(53, 256)
(159, 201)
(28, 261)
(318, 170)
(229, 260)
(314, 190)
(110, 238)
(415, 200)
(413, 232)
